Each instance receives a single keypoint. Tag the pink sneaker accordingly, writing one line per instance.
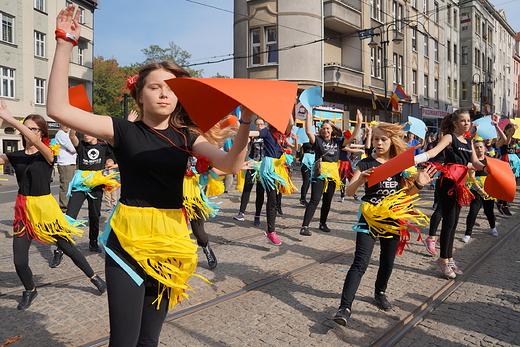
(430, 246)
(273, 238)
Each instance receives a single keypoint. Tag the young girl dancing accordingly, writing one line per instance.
(373, 225)
(37, 215)
(150, 255)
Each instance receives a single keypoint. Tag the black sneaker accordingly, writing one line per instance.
(56, 259)
(356, 197)
(279, 211)
(324, 227)
(305, 231)
(342, 316)
(27, 298)
(212, 260)
(382, 302)
(94, 247)
(303, 203)
(505, 210)
(99, 283)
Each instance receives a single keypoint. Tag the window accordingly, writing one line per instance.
(7, 28)
(395, 67)
(255, 47)
(449, 87)
(464, 55)
(477, 24)
(414, 39)
(455, 52)
(375, 61)
(425, 6)
(398, 69)
(7, 82)
(436, 12)
(455, 19)
(448, 50)
(376, 9)
(379, 71)
(425, 45)
(397, 14)
(414, 82)
(39, 5)
(436, 50)
(436, 89)
(426, 86)
(465, 21)
(80, 55)
(448, 14)
(414, 3)
(39, 44)
(81, 15)
(464, 94)
(455, 92)
(271, 45)
(39, 91)
(477, 56)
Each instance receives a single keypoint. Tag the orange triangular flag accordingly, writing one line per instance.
(78, 98)
(395, 165)
(208, 100)
(500, 183)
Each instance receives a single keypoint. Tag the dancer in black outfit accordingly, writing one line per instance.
(37, 214)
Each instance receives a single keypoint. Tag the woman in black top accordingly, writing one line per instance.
(452, 193)
(327, 146)
(508, 154)
(150, 253)
(37, 214)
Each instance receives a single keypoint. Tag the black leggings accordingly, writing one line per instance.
(306, 181)
(134, 319)
(198, 230)
(450, 217)
(364, 247)
(316, 194)
(474, 208)
(94, 201)
(271, 206)
(436, 217)
(21, 246)
(248, 186)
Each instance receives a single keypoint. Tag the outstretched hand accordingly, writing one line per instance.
(132, 116)
(5, 114)
(426, 175)
(68, 21)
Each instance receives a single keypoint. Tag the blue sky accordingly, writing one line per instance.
(124, 28)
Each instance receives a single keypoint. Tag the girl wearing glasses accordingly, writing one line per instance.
(37, 215)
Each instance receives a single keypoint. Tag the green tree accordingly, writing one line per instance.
(173, 53)
(109, 87)
(220, 76)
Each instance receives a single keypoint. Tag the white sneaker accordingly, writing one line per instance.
(466, 238)
(494, 232)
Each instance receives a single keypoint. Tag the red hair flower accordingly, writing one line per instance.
(130, 82)
(467, 134)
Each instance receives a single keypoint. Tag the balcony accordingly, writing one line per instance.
(337, 75)
(342, 16)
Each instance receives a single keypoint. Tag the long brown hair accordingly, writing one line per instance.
(447, 126)
(395, 133)
(42, 124)
(336, 132)
(179, 117)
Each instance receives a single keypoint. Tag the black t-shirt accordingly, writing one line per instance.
(308, 147)
(458, 152)
(92, 157)
(257, 151)
(33, 173)
(378, 191)
(333, 146)
(152, 169)
(507, 149)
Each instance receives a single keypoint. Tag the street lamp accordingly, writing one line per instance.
(481, 84)
(385, 40)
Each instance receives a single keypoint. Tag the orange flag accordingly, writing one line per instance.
(395, 165)
(78, 98)
(500, 183)
(208, 100)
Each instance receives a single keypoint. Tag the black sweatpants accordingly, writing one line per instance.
(364, 247)
(21, 246)
(246, 193)
(306, 181)
(134, 319)
(474, 208)
(94, 209)
(316, 195)
(450, 217)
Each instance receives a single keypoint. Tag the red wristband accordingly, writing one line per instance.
(66, 36)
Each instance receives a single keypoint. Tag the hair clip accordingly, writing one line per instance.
(130, 82)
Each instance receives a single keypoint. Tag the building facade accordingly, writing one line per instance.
(27, 46)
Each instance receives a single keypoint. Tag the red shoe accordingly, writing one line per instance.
(273, 238)
(430, 246)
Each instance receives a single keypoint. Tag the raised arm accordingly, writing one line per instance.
(432, 153)
(58, 106)
(309, 130)
(6, 116)
(73, 138)
(357, 128)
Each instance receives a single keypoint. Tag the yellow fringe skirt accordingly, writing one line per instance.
(330, 172)
(159, 241)
(40, 218)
